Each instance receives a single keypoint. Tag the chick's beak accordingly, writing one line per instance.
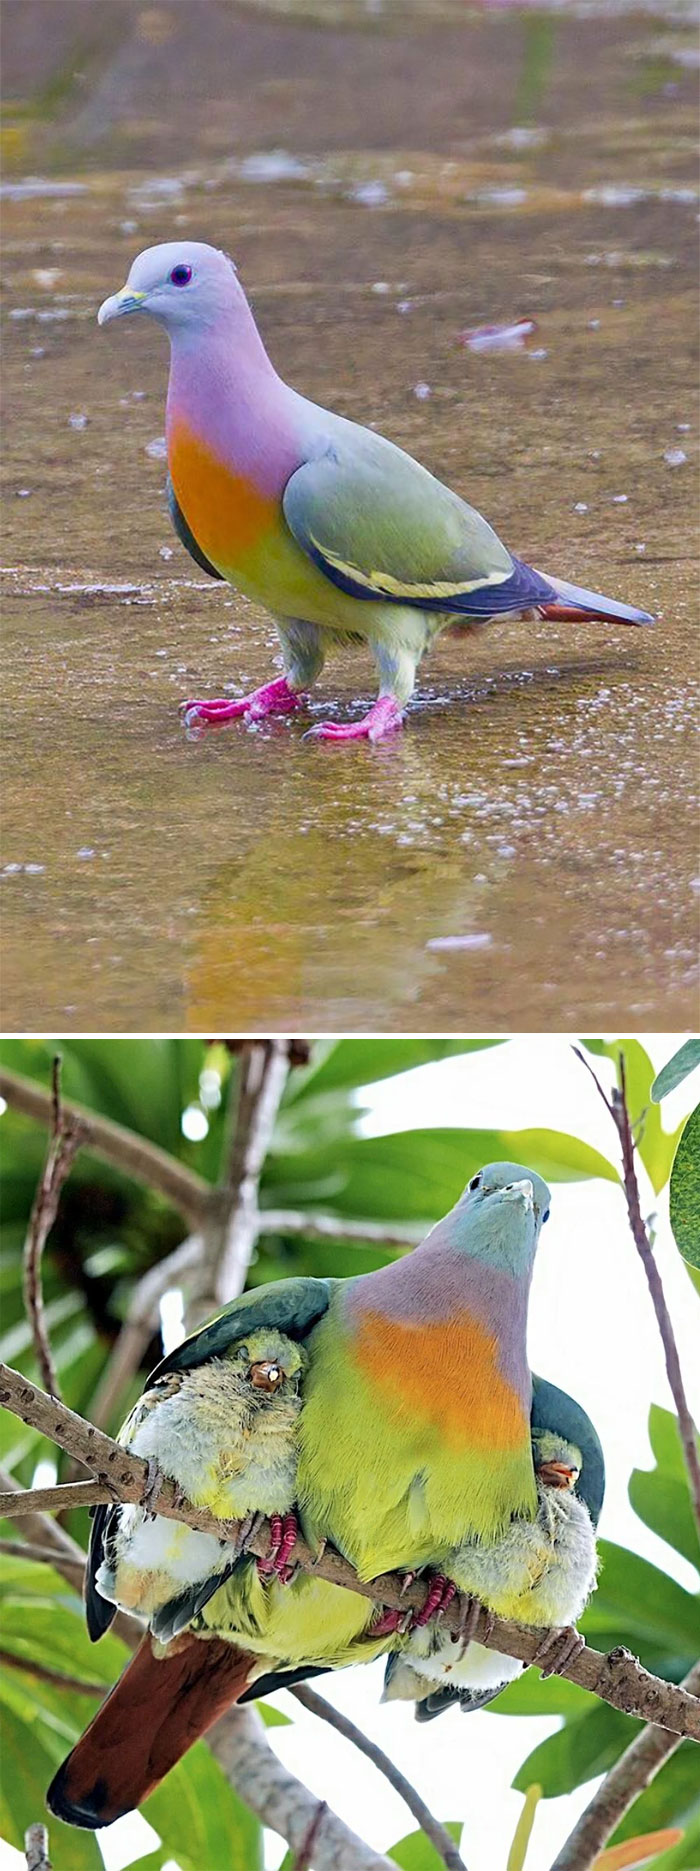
(120, 302)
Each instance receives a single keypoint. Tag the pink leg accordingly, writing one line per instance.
(440, 1594)
(274, 698)
(384, 718)
(386, 1622)
(283, 1537)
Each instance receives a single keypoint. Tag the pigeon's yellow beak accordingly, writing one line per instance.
(121, 302)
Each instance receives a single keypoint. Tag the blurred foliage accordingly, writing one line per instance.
(677, 1068)
(111, 1229)
(685, 1192)
(415, 1852)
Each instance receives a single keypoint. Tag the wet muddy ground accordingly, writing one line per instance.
(524, 856)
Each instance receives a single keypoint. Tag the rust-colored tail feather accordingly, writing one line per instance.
(159, 1706)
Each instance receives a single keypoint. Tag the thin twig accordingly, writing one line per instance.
(67, 1134)
(618, 1678)
(634, 1771)
(49, 1542)
(140, 1323)
(303, 1857)
(334, 1228)
(124, 1148)
(36, 1846)
(444, 1845)
(233, 1229)
(618, 1108)
(46, 1675)
(280, 1800)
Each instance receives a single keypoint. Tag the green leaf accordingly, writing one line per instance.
(684, 1061)
(656, 1146)
(28, 1766)
(685, 1192)
(642, 1606)
(351, 1064)
(523, 1831)
(686, 1855)
(581, 1749)
(418, 1174)
(272, 1717)
(672, 1798)
(201, 1820)
(532, 1694)
(660, 1495)
(54, 1633)
(415, 1852)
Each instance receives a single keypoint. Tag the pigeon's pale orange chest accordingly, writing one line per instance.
(227, 514)
(448, 1372)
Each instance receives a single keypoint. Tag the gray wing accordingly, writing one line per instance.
(292, 1306)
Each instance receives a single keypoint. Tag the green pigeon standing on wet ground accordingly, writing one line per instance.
(390, 1412)
(337, 532)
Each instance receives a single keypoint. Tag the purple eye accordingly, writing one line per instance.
(181, 276)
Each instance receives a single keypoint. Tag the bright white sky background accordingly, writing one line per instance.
(593, 1331)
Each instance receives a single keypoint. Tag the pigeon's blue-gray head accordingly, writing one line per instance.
(182, 283)
(500, 1214)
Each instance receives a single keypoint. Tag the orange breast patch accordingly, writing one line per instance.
(446, 1372)
(224, 510)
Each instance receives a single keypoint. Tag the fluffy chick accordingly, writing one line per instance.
(541, 1573)
(225, 1432)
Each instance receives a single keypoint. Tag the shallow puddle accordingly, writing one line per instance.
(524, 855)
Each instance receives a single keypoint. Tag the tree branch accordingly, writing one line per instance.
(67, 1134)
(134, 1154)
(634, 1771)
(141, 1321)
(50, 1543)
(618, 1678)
(333, 1228)
(282, 1802)
(618, 1109)
(233, 1230)
(36, 1846)
(317, 1705)
(46, 1675)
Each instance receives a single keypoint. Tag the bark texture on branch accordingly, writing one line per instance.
(618, 1108)
(36, 1846)
(240, 1745)
(127, 1150)
(634, 1771)
(617, 1677)
(67, 1134)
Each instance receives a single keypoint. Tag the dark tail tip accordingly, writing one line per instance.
(88, 1811)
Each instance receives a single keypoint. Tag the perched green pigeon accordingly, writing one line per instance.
(339, 534)
(541, 1572)
(413, 1439)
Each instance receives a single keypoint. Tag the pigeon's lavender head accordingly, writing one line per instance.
(182, 283)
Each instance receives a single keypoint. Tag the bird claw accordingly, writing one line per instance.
(152, 1487)
(386, 717)
(284, 1534)
(440, 1594)
(274, 698)
(386, 1622)
(558, 1649)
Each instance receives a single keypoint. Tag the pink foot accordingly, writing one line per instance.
(283, 1537)
(386, 1622)
(384, 718)
(275, 698)
(440, 1594)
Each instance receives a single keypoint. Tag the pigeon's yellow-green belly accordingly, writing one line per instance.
(245, 535)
